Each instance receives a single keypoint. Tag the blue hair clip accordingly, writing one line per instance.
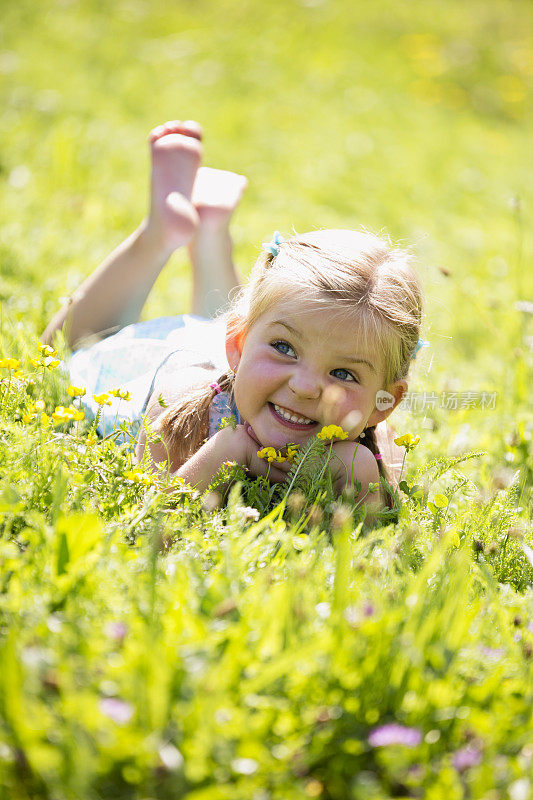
(419, 345)
(273, 245)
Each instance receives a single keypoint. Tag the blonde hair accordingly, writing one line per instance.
(360, 275)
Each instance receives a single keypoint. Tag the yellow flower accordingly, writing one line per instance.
(136, 476)
(408, 441)
(32, 412)
(46, 349)
(292, 449)
(51, 363)
(76, 391)
(102, 399)
(60, 414)
(9, 363)
(269, 453)
(332, 432)
(45, 420)
(92, 439)
(70, 414)
(122, 393)
(279, 458)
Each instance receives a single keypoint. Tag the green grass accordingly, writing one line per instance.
(156, 651)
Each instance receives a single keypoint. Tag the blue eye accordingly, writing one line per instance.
(282, 347)
(346, 376)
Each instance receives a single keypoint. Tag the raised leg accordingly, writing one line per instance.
(215, 196)
(115, 293)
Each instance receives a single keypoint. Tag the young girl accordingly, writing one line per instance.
(323, 332)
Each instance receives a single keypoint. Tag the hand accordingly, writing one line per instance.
(246, 453)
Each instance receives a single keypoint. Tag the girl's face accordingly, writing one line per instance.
(300, 368)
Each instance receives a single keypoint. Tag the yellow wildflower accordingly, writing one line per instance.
(45, 420)
(136, 476)
(76, 391)
(102, 399)
(408, 441)
(69, 414)
(332, 432)
(50, 362)
(46, 350)
(32, 412)
(122, 393)
(9, 363)
(292, 449)
(269, 453)
(60, 414)
(92, 439)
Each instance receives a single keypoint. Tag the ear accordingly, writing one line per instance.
(235, 334)
(386, 402)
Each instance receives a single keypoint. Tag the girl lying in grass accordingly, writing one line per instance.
(322, 334)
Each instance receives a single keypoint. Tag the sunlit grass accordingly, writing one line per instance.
(260, 650)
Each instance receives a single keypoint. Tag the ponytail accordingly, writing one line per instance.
(184, 426)
(370, 440)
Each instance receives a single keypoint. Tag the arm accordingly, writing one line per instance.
(101, 304)
(226, 445)
(199, 470)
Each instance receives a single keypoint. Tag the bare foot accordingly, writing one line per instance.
(176, 154)
(216, 195)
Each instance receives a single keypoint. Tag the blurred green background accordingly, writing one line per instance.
(412, 117)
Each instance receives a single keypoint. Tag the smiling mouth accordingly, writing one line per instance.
(290, 418)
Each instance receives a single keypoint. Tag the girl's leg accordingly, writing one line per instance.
(115, 293)
(215, 196)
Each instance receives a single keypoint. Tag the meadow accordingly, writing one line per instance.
(275, 648)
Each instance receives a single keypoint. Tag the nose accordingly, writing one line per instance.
(306, 384)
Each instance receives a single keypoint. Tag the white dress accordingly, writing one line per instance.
(141, 358)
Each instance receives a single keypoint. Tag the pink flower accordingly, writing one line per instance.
(393, 733)
(116, 630)
(117, 710)
(466, 757)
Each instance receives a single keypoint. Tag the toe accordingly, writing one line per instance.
(156, 133)
(192, 128)
(188, 128)
(175, 143)
(174, 126)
